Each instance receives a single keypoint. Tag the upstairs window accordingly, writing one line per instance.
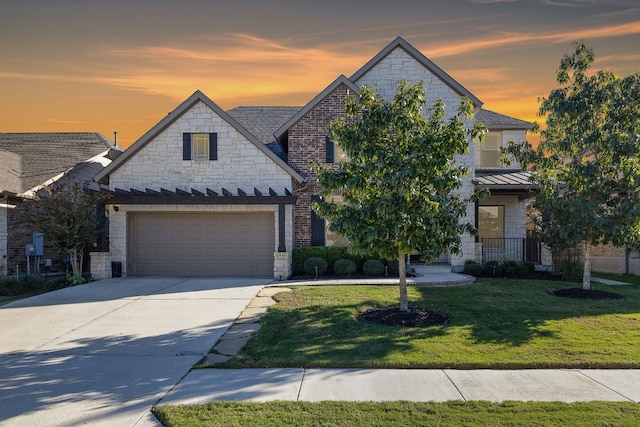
(200, 147)
(335, 154)
(490, 150)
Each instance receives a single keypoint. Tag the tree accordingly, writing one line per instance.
(68, 217)
(399, 185)
(588, 161)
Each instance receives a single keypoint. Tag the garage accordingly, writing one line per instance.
(201, 244)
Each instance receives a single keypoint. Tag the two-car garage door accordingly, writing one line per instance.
(201, 244)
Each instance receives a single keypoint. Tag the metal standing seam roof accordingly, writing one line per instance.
(504, 180)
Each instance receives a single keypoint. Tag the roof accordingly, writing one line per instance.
(399, 42)
(341, 80)
(262, 122)
(173, 116)
(500, 179)
(493, 120)
(30, 159)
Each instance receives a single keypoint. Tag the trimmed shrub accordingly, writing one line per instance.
(373, 267)
(300, 255)
(333, 254)
(314, 264)
(510, 268)
(492, 268)
(344, 267)
(572, 271)
(472, 268)
(392, 267)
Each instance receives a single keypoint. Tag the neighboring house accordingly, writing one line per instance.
(213, 192)
(29, 162)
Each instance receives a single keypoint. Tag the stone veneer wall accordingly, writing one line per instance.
(118, 231)
(307, 145)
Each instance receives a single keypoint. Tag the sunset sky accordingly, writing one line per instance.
(105, 66)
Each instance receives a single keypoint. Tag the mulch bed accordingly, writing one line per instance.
(593, 294)
(392, 316)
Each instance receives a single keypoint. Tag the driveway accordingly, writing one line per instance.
(103, 353)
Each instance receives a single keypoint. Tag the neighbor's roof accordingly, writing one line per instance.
(263, 122)
(30, 159)
(185, 106)
(500, 179)
(493, 120)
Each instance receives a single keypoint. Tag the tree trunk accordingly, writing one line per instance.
(402, 272)
(586, 276)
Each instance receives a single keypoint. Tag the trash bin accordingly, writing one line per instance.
(116, 269)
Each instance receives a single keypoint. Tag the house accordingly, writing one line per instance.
(214, 192)
(28, 163)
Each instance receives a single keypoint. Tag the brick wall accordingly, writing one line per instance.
(307, 145)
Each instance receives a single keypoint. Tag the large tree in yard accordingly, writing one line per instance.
(67, 215)
(588, 161)
(399, 185)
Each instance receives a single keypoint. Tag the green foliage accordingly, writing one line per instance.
(587, 164)
(399, 185)
(572, 271)
(301, 254)
(392, 267)
(472, 268)
(315, 265)
(68, 217)
(492, 268)
(344, 267)
(373, 267)
(75, 280)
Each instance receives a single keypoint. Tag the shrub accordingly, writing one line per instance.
(510, 268)
(344, 267)
(492, 268)
(472, 268)
(572, 271)
(333, 253)
(313, 265)
(373, 267)
(301, 254)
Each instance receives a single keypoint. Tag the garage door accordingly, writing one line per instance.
(171, 244)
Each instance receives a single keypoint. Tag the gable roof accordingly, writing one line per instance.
(399, 42)
(341, 80)
(493, 120)
(185, 106)
(30, 159)
(262, 122)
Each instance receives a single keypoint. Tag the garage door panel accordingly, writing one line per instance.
(201, 244)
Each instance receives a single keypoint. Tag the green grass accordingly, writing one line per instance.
(346, 414)
(494, 324)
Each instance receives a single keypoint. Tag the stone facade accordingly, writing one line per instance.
(240, 163)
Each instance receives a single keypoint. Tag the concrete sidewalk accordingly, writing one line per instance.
(422, 385)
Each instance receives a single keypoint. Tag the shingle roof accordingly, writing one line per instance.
(34, 158)
(504, 180)
(262, 122)
(493, 120)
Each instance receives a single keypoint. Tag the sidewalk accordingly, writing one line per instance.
(421, 385)
(438, 385)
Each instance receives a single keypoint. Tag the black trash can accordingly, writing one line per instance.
(116, 269)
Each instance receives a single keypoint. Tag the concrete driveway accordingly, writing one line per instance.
(103, 353)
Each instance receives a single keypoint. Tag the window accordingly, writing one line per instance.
(320, 233)
(332, 238)
(490, 150)
(200, 147)
(491, 225)
(335, 154)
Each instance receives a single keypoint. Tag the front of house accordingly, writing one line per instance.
(227, 193)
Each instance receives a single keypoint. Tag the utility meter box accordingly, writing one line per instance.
(38, 244)
(29, 250)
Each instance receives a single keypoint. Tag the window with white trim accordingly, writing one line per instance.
(490, 150)
(200, 147)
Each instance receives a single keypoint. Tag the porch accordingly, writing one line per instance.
(513, 249)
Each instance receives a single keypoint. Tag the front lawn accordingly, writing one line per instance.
(493, 324)
(277, 414)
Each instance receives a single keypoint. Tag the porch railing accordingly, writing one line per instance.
(513, 249)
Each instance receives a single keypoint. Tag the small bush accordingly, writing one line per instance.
(492, 268)
(472, 268)
(344, 267)
(510, 268)
(373, 267)
(392, 267)
(572, 271)
(301, 254)
(314, 265)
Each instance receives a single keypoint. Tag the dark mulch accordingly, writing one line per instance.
(593, 294)
(392, 316)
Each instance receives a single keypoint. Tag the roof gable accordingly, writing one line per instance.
(401, 43)
(342, 80)
(185, 106)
